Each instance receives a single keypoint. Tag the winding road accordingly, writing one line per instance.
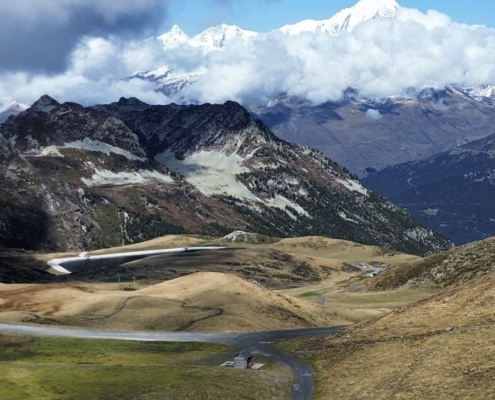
(259, 341)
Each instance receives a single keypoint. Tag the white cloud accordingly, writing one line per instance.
(379, 57)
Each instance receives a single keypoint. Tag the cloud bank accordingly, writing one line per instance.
(379, 57)
(38, 35)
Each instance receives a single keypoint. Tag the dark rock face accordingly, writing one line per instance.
(364, 133)
(126, 172)
(186, 129)
(452, 192)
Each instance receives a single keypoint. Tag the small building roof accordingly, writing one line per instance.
(245, 354)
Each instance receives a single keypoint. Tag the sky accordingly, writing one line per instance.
(84, 50)
(194, 16)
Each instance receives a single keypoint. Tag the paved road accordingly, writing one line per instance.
(258, 341)
(65, 266)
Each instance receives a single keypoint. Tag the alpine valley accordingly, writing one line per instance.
(76, 178)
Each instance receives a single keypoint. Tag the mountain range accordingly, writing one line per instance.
(362, 133)
(129, 171)
(366, 135)
(359, 132)
(219, 37)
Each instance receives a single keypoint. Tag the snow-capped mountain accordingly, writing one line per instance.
(215, 38)
(366, 134)
(11, 109)
(174, 36)
(346, 19)
(167, 81)
(219, 36)
(484, 93)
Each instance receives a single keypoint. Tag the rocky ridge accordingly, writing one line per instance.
(126, 172)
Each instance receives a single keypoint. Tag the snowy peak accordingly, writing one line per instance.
(481, 92)
(166, 80)
(12, 109)
(175, 36)
(215, 38)
(218, 36)
(347, 19)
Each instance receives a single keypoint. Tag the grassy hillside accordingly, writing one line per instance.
(59, 369)
(203, 301)
(450, 268)
(439, 348)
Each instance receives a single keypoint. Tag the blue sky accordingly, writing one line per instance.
(194, 16)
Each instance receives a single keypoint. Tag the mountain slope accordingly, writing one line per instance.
(438, 348)
(452, 192)
(450, 268)
(367, 135)
(201, 302)
(128, 171)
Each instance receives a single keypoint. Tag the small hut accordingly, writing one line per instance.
(243, 360)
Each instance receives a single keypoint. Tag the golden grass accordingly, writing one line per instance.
(203, 301)
(168, 241)
(341, 250)
(438, 348)
(198, 302)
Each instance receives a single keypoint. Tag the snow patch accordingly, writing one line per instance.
(239, 236)
(96, 145)
(13, 140)
(106, 177)
(86, 144)
(346, 218)
(212, 172)
(354, 186)
(215, 173)
(49, 151)
(282, 202)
